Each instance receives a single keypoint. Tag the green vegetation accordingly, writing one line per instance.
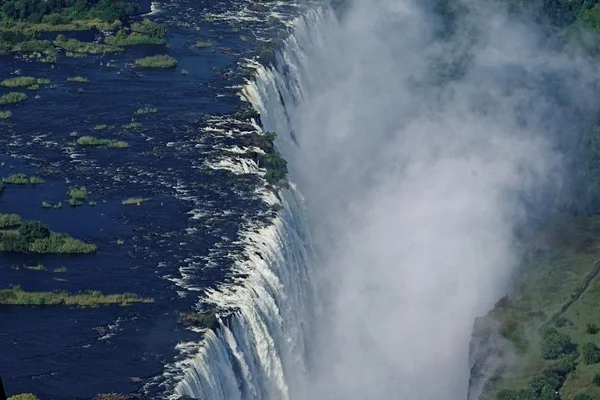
(99, 127)
(9, 220)
(23, 396)
(17, 296)
(78, 79)
(555, 344)
(145, 32)
(76, 46)
(77, 193)
(159, 61)
(45, 204)
(33, 87)
(36, 180)
(16, 179)
(201, 44)
(12, 97)
(33, 236)
(5, 114)
(134, 200)
(21, 81)
(590, 353)
(60, 270)
(64, 12)
(92, 141)
(206, 319)
(132, 125)
(146, 110)
(39, 267)
(184, 72)
(552, 318)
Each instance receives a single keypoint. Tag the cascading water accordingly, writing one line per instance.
(418, 141)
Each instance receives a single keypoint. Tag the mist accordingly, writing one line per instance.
(421, 142)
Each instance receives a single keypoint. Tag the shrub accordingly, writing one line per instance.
(21, 81)
(77, 193)
(590, 353)
(17, 296)
(12, 97)
(591, 329)
(77, 79)
(16, 179)
(92, 141)
(554, 343)
(23, 396)
(5, 114)
(31, 231)
(134, 200)
(36, 180)
(61, 243)
(596, 379)
(564, 365)
(8, 220)
(544, 386)
(158, 61)
(146, 110)
(201, 44)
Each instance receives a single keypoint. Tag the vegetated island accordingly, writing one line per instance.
(17, 235)
(22, 21)
(16, 296)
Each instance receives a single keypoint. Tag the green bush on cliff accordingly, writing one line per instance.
(590, 353)
(554, 343)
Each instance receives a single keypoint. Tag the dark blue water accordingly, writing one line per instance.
(191, 220)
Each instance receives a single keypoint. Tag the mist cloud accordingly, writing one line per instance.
(422, 146)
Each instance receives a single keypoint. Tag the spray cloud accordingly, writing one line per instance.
(422, 142)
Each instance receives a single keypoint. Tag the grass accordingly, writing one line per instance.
(158, 61)
(92, 141)
(564, 253)
(20, 81)
(17, 296)
(201, 44)
(146, 110)
(134, 200)
(5, 114)
(9, 220)
(16, 179)
(12, 98)
(78, 79)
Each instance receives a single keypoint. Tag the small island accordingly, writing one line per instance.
(17, 235)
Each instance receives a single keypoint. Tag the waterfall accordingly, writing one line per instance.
(417, 142)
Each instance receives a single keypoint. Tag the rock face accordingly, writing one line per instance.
(485, 356)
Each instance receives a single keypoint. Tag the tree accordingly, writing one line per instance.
(30, 231)
(596, 380)
(555, 343)
(590, 353)
(592, 329)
